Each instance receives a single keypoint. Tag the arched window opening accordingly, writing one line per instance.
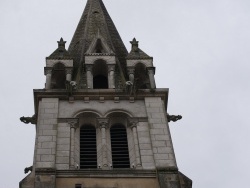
(88, 154)
(119, 146)
(100, 75)
(141, 77)
(58, 77)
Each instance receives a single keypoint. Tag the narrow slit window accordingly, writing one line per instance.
(119, 145)
(88, 154)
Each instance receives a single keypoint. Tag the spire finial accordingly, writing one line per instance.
(61, 43)
(135, 45)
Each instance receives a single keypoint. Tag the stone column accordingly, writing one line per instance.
(89, 76)
(103, 123)
(69, 74)
(151, 73)
(133, 125)
(131, 73)
(48, 73)
(111, 76)
(73, 125)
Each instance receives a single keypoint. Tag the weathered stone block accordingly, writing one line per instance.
(43, 151)
(62, 160)
(62, 154)
(146, 152)
(162, 137)
(147, 159)
(45, 138)
(144, 140)
(145, 146)
(63, 141)
(47, 158)
(161, 156)
(48, 145)
(49, 132)
(64, 147)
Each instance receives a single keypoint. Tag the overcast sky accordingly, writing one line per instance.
(201, 53)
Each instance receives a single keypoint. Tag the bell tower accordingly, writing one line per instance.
(101, 122)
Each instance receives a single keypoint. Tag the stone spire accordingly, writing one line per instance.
(95, 18)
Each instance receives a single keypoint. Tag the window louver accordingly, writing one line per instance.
(88, 155)
(119, 145)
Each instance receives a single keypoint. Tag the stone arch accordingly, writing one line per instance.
(118, 121)
(58, 78)
(87, 136)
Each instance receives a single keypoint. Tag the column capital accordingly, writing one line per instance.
(47, 70)
(103, 122)
(69, 70)
(131, 70)
(73, 123)
(111, 68)
(89, 67)
(133, 122)
(151, 70)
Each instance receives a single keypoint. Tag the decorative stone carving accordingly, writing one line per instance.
(133, 122)
(27, 120)
(71, 86)
(69, 70)
(73, 123)
(111, 68)
(27, 169)
(173, 117)
(103, 122)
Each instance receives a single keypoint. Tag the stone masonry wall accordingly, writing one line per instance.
(159, 132)
(63, 146)
(145, 146)
(46, 133)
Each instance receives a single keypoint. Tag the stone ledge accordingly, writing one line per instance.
(106, 173)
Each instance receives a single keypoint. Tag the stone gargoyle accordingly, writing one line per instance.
(27, 169)
(28, 120)
(173, 117)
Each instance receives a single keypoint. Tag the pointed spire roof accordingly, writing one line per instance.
(95, 18)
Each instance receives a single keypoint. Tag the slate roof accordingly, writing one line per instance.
(95, 17)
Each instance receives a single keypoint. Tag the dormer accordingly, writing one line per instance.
(59, 67)
(140, 67)
(100, 62)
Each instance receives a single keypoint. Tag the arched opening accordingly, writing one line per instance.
(100, 75)
(141, 77)
(88, 153)
(58, 76)
(119, 146)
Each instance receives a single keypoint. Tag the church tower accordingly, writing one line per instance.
(101, 122)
